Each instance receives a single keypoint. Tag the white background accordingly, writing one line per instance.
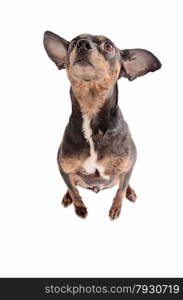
(38, 236)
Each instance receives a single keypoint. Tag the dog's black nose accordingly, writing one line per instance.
(84, 45)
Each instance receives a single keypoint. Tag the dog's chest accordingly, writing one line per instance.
(90, 165)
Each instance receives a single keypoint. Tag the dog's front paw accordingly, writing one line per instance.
(67, 200)
(114, 212)
(81, 211)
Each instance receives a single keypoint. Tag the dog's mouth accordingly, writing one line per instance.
(83, 69)
(82, 61)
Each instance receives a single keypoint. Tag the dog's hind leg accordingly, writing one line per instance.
(130, 194)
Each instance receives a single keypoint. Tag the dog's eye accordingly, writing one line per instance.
(108, 47)
(73, 43)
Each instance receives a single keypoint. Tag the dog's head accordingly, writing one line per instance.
(95, 57)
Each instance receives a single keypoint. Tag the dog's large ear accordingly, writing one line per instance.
(56, 48)
(137, 62)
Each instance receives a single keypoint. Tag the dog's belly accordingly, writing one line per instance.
(90, 165)
(94, 181)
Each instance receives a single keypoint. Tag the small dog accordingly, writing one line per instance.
(97, 150)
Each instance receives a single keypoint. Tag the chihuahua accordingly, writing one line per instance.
(97, 150)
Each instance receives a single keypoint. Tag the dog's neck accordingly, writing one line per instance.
(103, 112)
(92, 95)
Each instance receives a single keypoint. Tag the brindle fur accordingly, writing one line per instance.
(94, 93)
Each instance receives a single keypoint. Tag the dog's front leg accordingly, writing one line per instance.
(72, 195)
(120, 194)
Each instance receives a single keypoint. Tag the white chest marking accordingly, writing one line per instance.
(90, 164)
